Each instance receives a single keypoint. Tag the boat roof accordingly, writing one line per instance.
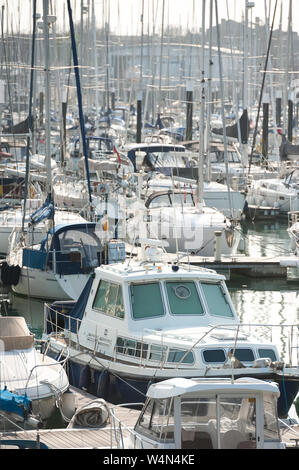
(153, 270)
(180, 386)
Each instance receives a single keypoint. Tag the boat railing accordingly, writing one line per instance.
(122, 431)
(60, 324)
(57, 323)
(57, 362)
(290, 338)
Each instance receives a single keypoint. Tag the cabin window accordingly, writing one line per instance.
(84, 242)
(160, 201)
(146, 300)
(217, 301)
(267, 353)
(214, 355)
(183, 298)
(176, 355)
(271, 431)
(157, 353)
(109, 299)
(244, 354)
(237, 422)
(184, 198)
(131, 347)
(157, 420)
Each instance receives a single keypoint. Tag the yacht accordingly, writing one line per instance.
(143, 320)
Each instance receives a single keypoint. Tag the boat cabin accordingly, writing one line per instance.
(158, 314)
(209, 414)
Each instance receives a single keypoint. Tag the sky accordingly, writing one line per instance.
(124, 16)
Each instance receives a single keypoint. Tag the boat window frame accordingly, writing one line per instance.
(185, 352)
(213, 349)
(249, 348)
(226, 296)
(134, 283)
(136, 341)
(200, 297)
(97, 310)
(148, 431)
(259, 349)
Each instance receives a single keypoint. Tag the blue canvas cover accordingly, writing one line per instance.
(12, 403)
(44, 212)
(77, 312)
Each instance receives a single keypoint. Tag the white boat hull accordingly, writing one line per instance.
(48, 285)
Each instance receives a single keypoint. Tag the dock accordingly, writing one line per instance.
(262, 267)
(75, 438)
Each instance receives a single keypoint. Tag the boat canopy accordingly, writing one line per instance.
(179, 386)
(77, 248)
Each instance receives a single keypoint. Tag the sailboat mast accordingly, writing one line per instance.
(47, 96)
(202, 111)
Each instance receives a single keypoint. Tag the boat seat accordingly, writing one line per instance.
(232, 438)
(196, 440)
(201, 436)
(247, 445)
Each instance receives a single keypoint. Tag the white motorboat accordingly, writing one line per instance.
(145, 321)
(205, 414)
(29, 378)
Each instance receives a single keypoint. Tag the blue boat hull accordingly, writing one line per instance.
(115, 389)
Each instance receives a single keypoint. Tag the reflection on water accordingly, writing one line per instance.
(266, 239)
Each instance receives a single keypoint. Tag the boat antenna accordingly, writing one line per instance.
(79, 95)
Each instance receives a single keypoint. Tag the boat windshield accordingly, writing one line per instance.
(84, 241)
(183, 298)
(157, 420)
(167, 159)
(217, 301)
(146, 300)
(236, 417)
(170, 200)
